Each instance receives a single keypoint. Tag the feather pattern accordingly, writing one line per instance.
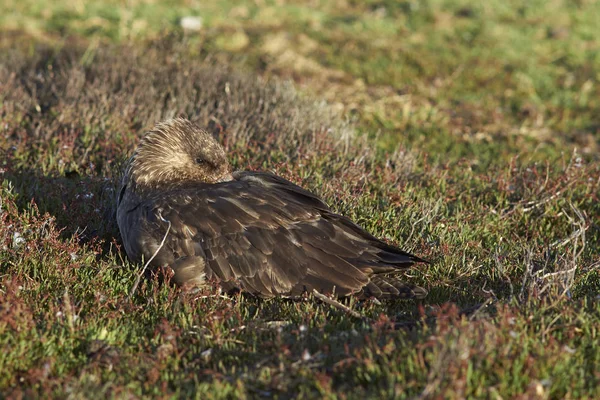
(257, 232)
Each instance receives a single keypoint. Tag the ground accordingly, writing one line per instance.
(467, 134)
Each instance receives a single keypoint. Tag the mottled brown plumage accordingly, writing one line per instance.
(253, 231)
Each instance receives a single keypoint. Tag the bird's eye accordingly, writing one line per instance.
(200, 161)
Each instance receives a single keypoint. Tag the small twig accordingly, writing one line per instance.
(531, 205)
(139, 277)
(215, 296)
(478, 309)
(428, 215)
(558, 273)
(336, 304)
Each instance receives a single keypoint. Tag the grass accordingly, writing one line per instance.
(466, 134)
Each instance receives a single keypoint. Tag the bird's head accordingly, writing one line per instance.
(174, 153)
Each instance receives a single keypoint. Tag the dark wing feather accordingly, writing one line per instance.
(268, 236)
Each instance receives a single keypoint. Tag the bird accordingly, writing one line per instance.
(181, 207)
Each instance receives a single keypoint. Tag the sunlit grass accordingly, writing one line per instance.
(473, 142)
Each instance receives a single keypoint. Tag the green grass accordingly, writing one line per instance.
(467, 134)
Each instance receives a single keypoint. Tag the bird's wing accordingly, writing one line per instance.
(263, 234)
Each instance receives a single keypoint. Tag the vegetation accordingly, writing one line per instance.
(467, 134)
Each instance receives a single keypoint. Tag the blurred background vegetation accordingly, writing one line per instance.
(459, 78)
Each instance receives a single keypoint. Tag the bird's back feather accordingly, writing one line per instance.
(263, 234)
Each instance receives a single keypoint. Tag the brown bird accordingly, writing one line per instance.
(255, 231)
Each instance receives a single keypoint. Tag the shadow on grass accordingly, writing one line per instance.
(81, 205)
